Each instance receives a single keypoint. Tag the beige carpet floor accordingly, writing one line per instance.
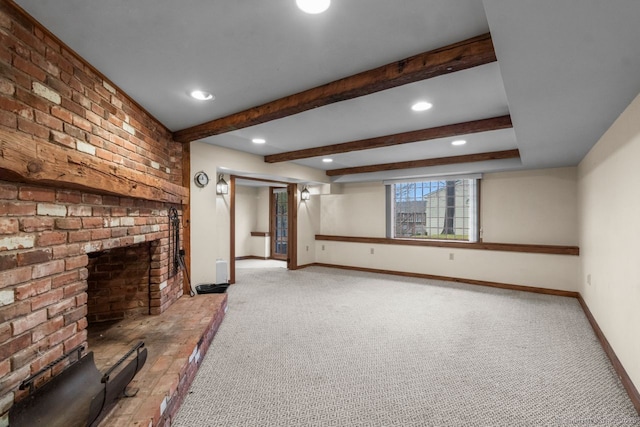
(260, 263)
(326, 347)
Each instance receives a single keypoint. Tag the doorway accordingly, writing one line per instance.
(287, 228)
(279, 219)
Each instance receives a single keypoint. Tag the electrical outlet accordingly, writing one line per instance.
(450, 256)
(323, 247)
(371, 251)
(589, 279)
(307, 248)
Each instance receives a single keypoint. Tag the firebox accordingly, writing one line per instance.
(118, 283)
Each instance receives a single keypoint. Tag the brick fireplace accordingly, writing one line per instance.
(85, 174)
(47, 237)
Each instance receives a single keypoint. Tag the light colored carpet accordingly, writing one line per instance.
(260, 263)
(325, 347)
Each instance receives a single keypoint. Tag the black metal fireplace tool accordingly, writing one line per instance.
(176, 255)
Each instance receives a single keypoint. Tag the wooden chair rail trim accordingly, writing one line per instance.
(504, 247)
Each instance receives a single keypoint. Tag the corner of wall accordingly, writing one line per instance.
(608, 179)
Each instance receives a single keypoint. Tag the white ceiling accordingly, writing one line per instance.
(566, 69)
(479, 95)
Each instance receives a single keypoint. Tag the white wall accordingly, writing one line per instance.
(535, 270)
(532, 207)
(308, 226)
(210, 225)
(360, 211)
(609, 206)
(246, 221)
(262, 217)
(252, 214)
(262, 245)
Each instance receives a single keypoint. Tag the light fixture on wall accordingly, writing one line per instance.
(221, 186)
(304, 194)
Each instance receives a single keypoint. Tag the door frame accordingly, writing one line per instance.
(292, 238)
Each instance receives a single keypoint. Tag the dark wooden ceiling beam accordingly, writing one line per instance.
(458, 129)
(467, 158)
(459, 56)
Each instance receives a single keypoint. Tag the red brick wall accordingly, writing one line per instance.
(45, 236)
(118, 283)
(49, 93)
(46, 91)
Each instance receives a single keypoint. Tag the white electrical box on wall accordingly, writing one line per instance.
(221, 271)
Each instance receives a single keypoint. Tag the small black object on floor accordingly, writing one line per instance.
(220, 288)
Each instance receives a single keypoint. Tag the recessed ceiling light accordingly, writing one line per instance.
(258, 140)
(421, 106)
(201, 95)
(327, 160)
(313, 6)
(459, 142)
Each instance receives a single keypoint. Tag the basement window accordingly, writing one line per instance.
(437, 209)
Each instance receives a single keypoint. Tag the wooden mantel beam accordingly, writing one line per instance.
(456, 57)
(468, 158)
(466, 128)
(40, 162)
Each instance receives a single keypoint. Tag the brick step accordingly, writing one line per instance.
(176, 340)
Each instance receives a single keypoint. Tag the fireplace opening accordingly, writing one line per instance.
(118, 283)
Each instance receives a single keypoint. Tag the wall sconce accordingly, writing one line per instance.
(304, 194)
(221, 186)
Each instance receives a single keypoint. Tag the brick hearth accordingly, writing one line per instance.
(176, 341)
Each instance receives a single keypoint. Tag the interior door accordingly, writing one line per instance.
(279, 223)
